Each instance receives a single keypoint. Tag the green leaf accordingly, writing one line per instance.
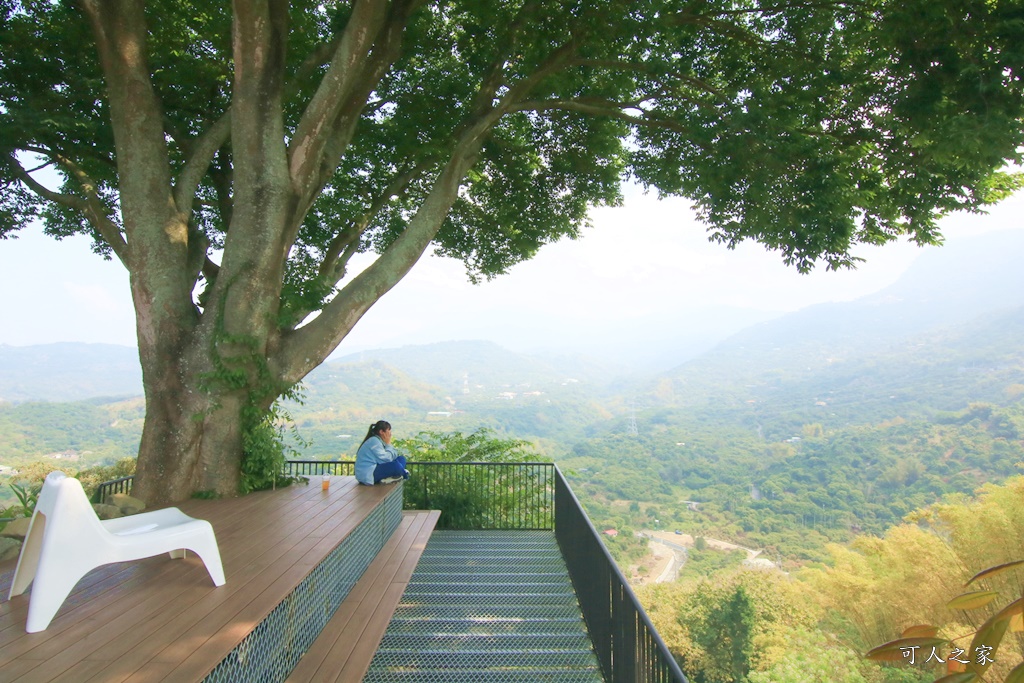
(893, 651)
(958, 678)
(1016, 675)
(920, 631)
(992, 571)
(972, 600)
(991, 634)
(1017, 623)
(1014, 609)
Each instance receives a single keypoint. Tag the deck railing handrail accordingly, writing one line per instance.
(470, 495)
(120, 485)
(627, 644)
(531, 495)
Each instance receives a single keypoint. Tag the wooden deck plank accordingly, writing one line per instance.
(162, 619)
(154, 671)
(346, 646)
(118, 597)
(365, 641)
(364, 635)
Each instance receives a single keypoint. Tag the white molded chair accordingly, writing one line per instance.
(66, 541)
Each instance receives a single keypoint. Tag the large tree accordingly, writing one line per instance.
(235, 159)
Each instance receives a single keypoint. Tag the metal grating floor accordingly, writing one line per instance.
(487, 606)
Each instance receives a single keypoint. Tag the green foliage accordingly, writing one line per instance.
(814, 656)
(468, 500)
(479, 130)
(96, 431)
(702, 563)
(29, 482)
(27, 497)
(92, 477)
(789, 495)
(264, 448)
(993, 604)
(917, 575)
(479, 446)
(727, 635)
(808, 627)
(771, 125)
(240, 369)
(724, 626)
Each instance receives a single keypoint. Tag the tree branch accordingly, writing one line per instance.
(776, 9)
(346, 243)
(200, 155)
(602, 108)
(95, 211)
(68, 200)
(332, 141)
(318, 120)
(222, 176)
(317, 57)
(156, 233)
(622, 65)
(333, 265)
(496, 73)
(91, 206)
(303, 349)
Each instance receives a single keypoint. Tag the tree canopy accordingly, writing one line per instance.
(236, 158)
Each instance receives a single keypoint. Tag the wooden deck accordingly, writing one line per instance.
(163, 620)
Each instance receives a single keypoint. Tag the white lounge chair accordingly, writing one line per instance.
(66, 541)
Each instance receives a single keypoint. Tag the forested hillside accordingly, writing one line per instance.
(787, 448)
(814, 624)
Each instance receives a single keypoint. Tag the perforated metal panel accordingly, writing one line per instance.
(487, 606)
(270, 652)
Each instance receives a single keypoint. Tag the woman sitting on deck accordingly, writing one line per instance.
(377, 460)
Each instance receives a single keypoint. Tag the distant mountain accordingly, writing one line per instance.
(68, 372)
(941, 291)
(946, 286)
(939, 370)
(462, 367)
(337, 388)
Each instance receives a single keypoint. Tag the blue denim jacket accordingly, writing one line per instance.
(373, 452)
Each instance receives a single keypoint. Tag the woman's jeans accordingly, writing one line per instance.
(395, 468)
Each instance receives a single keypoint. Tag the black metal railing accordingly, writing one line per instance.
(627, 644)
(484, 495)
(122, 485)
(470, 495)
(292, 467)
(308, 468)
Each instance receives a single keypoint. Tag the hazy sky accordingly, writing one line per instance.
(642, 264)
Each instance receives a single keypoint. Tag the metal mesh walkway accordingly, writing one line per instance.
(487, 606)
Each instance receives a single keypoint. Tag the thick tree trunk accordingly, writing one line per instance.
(192, 435)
